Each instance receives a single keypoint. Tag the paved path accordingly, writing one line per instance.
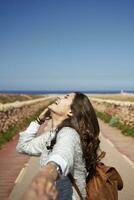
(124, 167)
(113, 158)
(10, 165)
(25, 178)
(120, 153)
(124, 144)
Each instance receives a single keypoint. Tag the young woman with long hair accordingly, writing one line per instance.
(70, 146)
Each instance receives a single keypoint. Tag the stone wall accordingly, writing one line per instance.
(13, 112)
(123, 110)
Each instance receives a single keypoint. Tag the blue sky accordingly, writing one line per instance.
(66, 44)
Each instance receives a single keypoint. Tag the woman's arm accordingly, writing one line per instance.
(43, 185)
(29, 143)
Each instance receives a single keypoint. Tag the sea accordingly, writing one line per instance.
(39, 92)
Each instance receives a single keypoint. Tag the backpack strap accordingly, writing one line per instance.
(75, 185)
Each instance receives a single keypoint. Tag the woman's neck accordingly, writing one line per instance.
(56, 120)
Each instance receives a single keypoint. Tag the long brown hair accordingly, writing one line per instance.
(85, 122)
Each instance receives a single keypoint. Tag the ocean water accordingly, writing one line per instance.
(64, 91)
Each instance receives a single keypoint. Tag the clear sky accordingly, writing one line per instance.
(66, 44)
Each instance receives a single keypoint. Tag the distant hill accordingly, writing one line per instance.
(9, 98)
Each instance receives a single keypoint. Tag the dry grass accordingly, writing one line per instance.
(9, 98)
(117, 97)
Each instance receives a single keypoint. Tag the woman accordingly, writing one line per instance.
(70, 146)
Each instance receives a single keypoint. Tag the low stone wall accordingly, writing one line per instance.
(123, 110)
(13, 112)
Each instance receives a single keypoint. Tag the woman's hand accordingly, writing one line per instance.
(43, 186)
(45, 115)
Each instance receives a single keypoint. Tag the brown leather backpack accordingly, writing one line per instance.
(103, 186)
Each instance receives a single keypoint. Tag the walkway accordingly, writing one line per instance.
(11, 162)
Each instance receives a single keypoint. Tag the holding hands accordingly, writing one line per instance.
(43, 186)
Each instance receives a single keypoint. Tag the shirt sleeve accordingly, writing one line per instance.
(28, 142)
(64, 150)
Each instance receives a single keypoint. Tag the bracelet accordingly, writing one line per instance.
(39, 121)
(58, 168)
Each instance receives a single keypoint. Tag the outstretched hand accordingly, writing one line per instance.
(43, 187)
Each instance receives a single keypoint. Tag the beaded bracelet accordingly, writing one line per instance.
(39, 121)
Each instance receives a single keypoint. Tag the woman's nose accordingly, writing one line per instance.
(60, 97)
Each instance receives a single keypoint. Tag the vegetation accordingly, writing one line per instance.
(115, 122)
(9, 98)
(118, 97)
(15, 128)
(104, 116)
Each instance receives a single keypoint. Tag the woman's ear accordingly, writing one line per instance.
(70, 114)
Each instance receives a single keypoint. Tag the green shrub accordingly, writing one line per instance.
(104, 116)
(114, 121)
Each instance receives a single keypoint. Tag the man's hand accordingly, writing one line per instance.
(43, 186)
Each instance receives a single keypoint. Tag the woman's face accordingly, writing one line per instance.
(62, 105)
